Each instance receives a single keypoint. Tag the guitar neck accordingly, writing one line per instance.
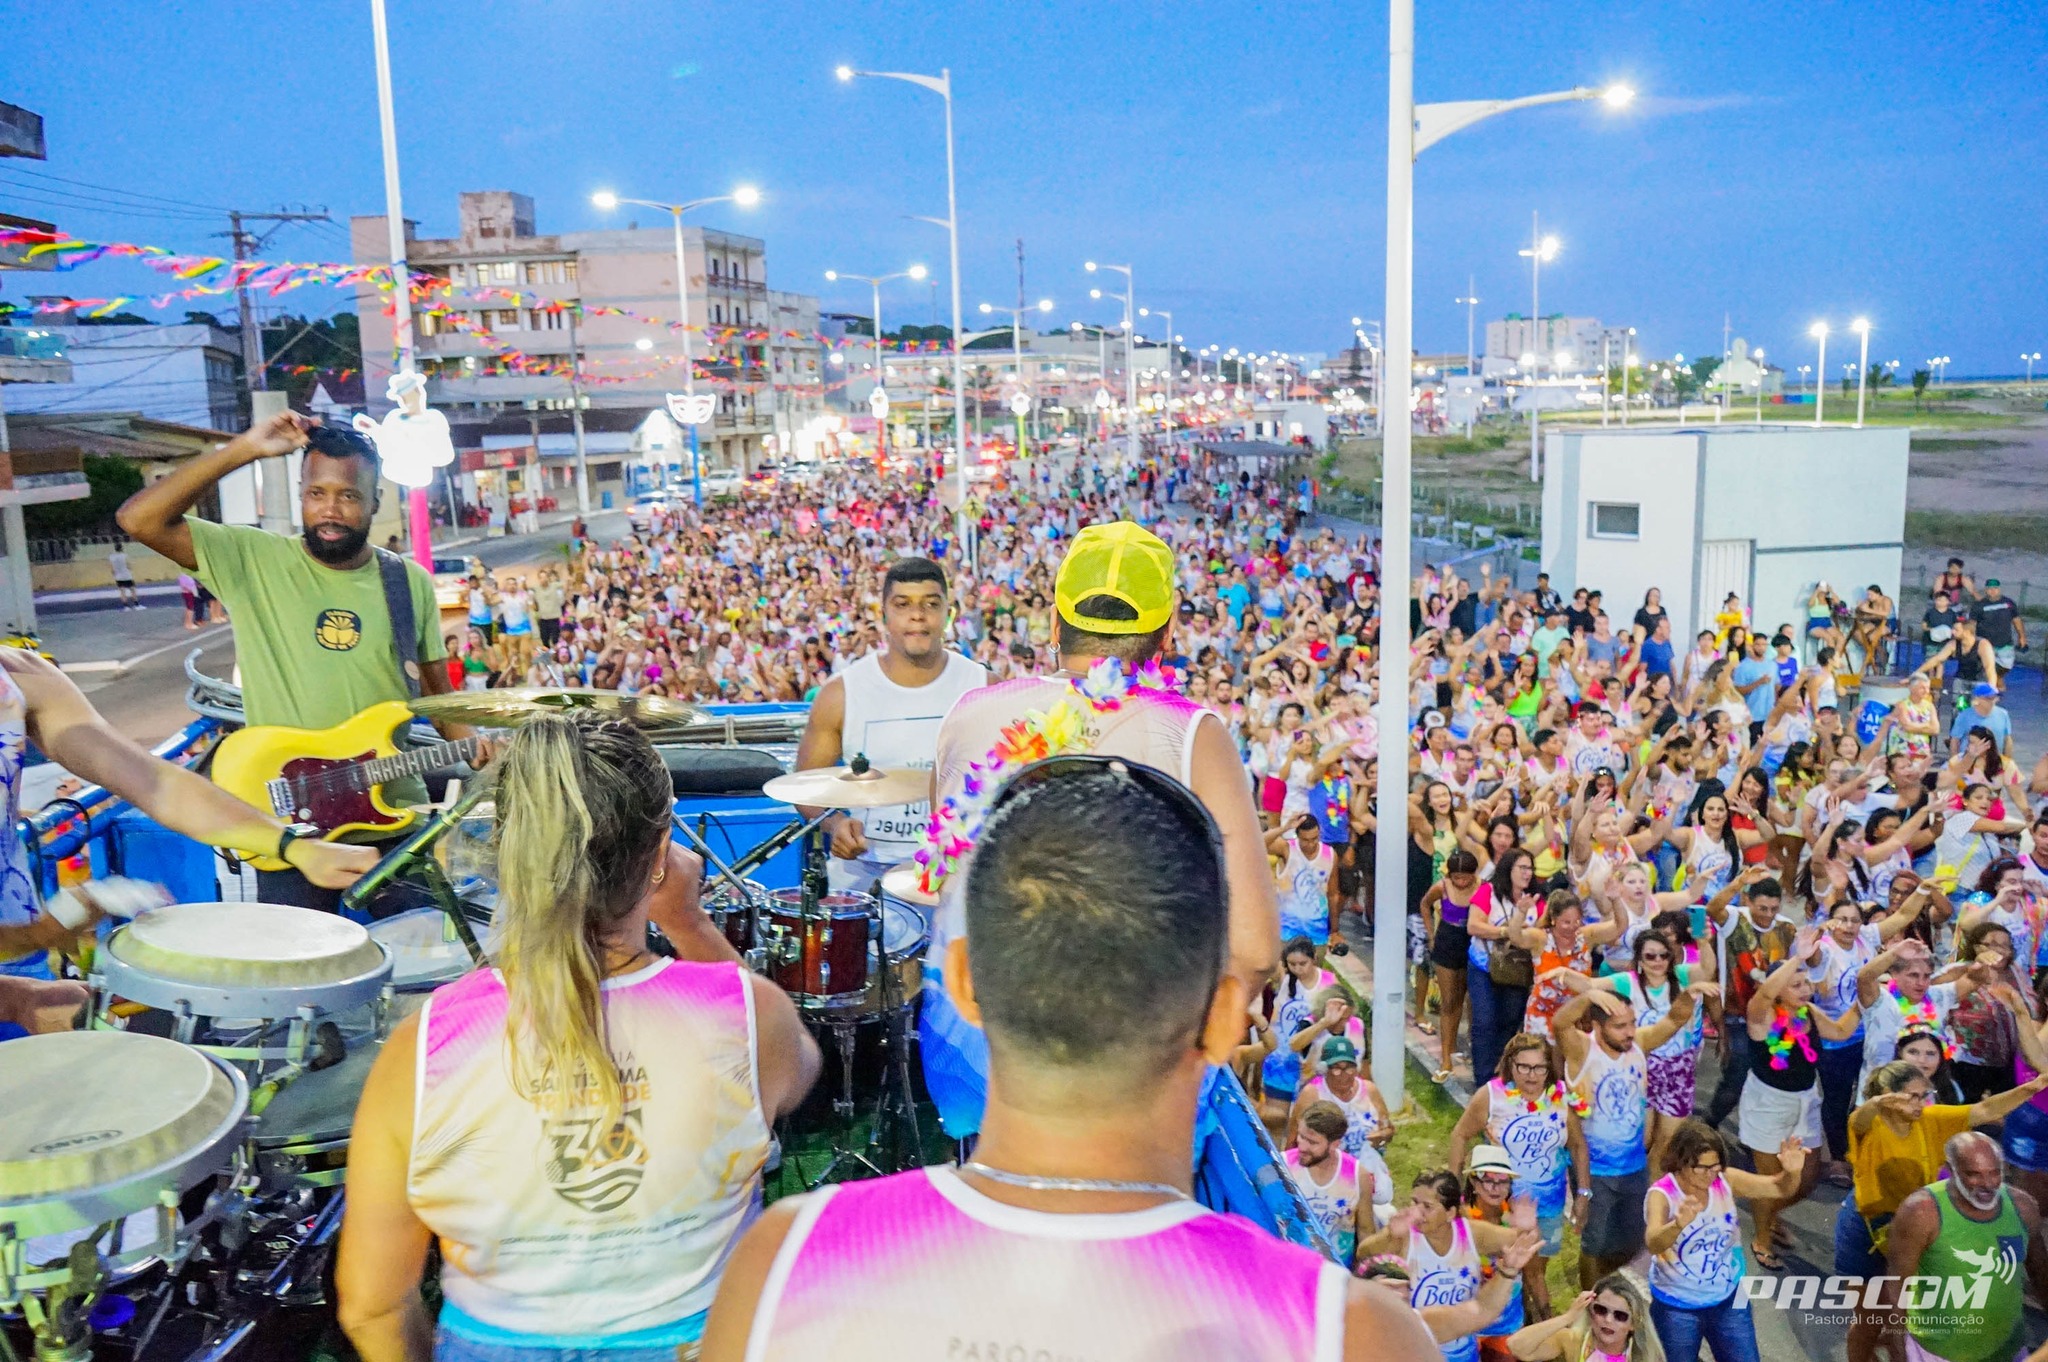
(418, 761)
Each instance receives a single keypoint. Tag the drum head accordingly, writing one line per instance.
(790, 902)
(231, 945)
(424, 949)
(88, 1109)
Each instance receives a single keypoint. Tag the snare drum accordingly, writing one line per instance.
(733, 912)
(904, 939)
(102, 1124)
(820, 959)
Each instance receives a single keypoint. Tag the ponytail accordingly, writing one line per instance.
(583, 812)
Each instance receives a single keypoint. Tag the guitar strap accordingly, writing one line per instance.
(405, 633)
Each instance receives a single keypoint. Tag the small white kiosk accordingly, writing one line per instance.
(1765, 511)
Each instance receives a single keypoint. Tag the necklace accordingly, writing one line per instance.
(1038, 1184)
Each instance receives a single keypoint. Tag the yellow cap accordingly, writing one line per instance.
(1124, 561)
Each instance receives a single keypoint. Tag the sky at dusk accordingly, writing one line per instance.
(1783, 163)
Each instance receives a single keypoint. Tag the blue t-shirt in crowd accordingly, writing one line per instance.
(1656, 657)
(1237, 597)
(1760, 700)
(1788, 672)
(1329, 803)
(1967, 718)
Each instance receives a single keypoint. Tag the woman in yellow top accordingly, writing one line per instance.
(1895, 1149)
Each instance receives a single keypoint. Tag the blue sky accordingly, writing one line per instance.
(1786, 162)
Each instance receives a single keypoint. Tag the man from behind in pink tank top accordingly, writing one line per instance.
(1115, 598)
(1072, 1231)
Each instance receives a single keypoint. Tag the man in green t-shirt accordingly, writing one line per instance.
(1966, 1239)
(313, 634)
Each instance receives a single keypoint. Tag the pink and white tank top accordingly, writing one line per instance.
(923, 1265)
(550, 1226)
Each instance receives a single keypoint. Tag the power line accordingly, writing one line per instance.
(59, 200)
(110, 189)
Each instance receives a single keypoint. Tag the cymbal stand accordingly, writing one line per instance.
(842, 1107)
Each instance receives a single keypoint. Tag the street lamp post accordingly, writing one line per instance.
(1540, 249)
(419, 520)
(746, 196)
(1861, 326)
(1017, 356)
(1761, 374)
(942, 85)
(2030, 358)
(1166, 404)
(875, 282)
(1819, 331)
(1130, 356)
(1411, 129)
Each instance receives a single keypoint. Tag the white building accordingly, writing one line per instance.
(184, 374)
(1701, 512)
(1561, 344)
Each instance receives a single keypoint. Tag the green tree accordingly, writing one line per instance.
(1921, 378)
(1880, 377)
(112, 480)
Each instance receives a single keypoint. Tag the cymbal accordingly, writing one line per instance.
(514, 705)
(900, 882)
(840, 787)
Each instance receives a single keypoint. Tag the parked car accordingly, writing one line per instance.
(451, 582)
(641, 513)
(721, 482)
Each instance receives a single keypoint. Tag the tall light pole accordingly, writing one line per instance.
(1819, 331)
(1761, 374)
(1166, 406)
(874, 283)
(418, 518)
(746, 196)
(942, 86)
(1470, 302)
(1411, 128)
(1130, 356)
(1540, 250)
(2031, 359)
(1027, 390)
(1861, 326)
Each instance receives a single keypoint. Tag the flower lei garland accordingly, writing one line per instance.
(957, 820)
(1559, 1096)
(1920, 1017)
(1788, 1029)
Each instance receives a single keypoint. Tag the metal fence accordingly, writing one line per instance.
(65, 548)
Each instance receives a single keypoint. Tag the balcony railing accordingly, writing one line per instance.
(731, 283)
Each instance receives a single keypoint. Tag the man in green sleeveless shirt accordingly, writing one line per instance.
(1966, 1239)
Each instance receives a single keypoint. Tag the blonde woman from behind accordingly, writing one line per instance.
(583, 1127)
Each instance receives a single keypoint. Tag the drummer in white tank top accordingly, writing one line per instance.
(887, 707)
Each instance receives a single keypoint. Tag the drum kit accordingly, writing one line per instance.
(170, 1180)
(847, 960)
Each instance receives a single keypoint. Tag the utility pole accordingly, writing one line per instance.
(273, 482)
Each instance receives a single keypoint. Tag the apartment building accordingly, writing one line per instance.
(764, 381)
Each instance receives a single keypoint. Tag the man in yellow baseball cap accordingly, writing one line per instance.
(1115, 595)
(1116, 582)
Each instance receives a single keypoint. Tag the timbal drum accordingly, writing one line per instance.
(102, 1124)
(243, 960)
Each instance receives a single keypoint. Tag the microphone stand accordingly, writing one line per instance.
(415, 855)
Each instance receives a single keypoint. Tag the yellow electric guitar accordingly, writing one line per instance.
(331, 778)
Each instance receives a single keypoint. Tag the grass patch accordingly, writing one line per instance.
(1957, 531)
(1940, 444)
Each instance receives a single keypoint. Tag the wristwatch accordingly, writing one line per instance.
(292, 833)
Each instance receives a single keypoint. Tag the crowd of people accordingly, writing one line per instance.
(1653, 884)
